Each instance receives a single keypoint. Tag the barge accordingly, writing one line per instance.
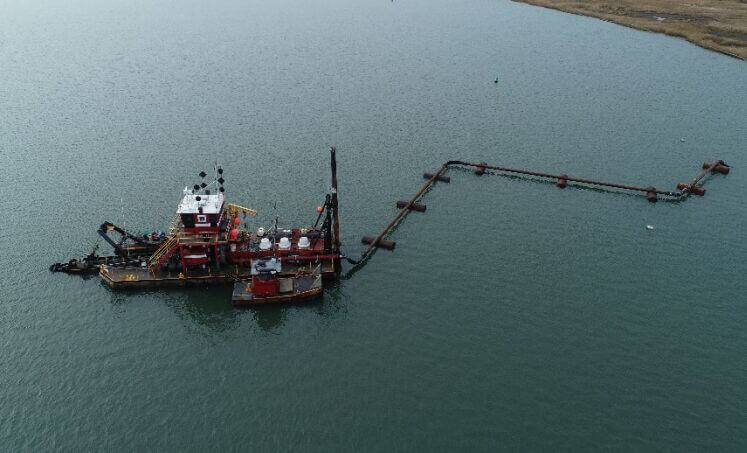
(205, 244)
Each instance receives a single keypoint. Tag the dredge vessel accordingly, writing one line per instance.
(205, 244)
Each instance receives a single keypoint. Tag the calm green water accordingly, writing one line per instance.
(512, 315)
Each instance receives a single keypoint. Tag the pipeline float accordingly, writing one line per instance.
(651, 193)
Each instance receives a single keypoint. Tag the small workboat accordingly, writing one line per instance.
(269, 284)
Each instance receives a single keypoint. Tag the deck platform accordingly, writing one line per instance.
(141, 277)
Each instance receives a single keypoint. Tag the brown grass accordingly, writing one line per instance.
(719, 25)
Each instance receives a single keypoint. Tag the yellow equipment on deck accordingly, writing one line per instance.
(233, 210)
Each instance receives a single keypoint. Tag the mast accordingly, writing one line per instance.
(335, 213)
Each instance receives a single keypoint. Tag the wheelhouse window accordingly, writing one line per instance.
(188, 220)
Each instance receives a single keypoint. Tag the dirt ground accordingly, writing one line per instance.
(719, 25)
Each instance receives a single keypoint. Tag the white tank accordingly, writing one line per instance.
(285, 244)
(260, 232)
(304, 243)
(265, 244)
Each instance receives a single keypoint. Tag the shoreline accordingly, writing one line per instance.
(717, 25)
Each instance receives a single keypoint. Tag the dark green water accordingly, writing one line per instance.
(513, 315)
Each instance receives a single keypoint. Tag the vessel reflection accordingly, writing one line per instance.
(209, 308)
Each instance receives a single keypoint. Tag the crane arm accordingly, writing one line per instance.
(234, 209)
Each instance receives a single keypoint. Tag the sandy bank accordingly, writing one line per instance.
(719, 25)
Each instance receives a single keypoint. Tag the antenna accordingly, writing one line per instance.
(275, 208)
(121, 205)
(275, 235)
(206, 187)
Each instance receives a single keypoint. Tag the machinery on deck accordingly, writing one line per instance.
(129, 244)
(129, 250)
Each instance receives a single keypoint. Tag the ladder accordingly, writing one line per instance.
(163, 253)
(174, 224)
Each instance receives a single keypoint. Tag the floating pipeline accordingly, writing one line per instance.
(651, 193)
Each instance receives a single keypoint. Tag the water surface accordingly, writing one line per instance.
(512, 314)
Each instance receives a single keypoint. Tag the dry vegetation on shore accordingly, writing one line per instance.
(719, 25)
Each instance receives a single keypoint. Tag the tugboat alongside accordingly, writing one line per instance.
(205, 244)
(269, 284)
